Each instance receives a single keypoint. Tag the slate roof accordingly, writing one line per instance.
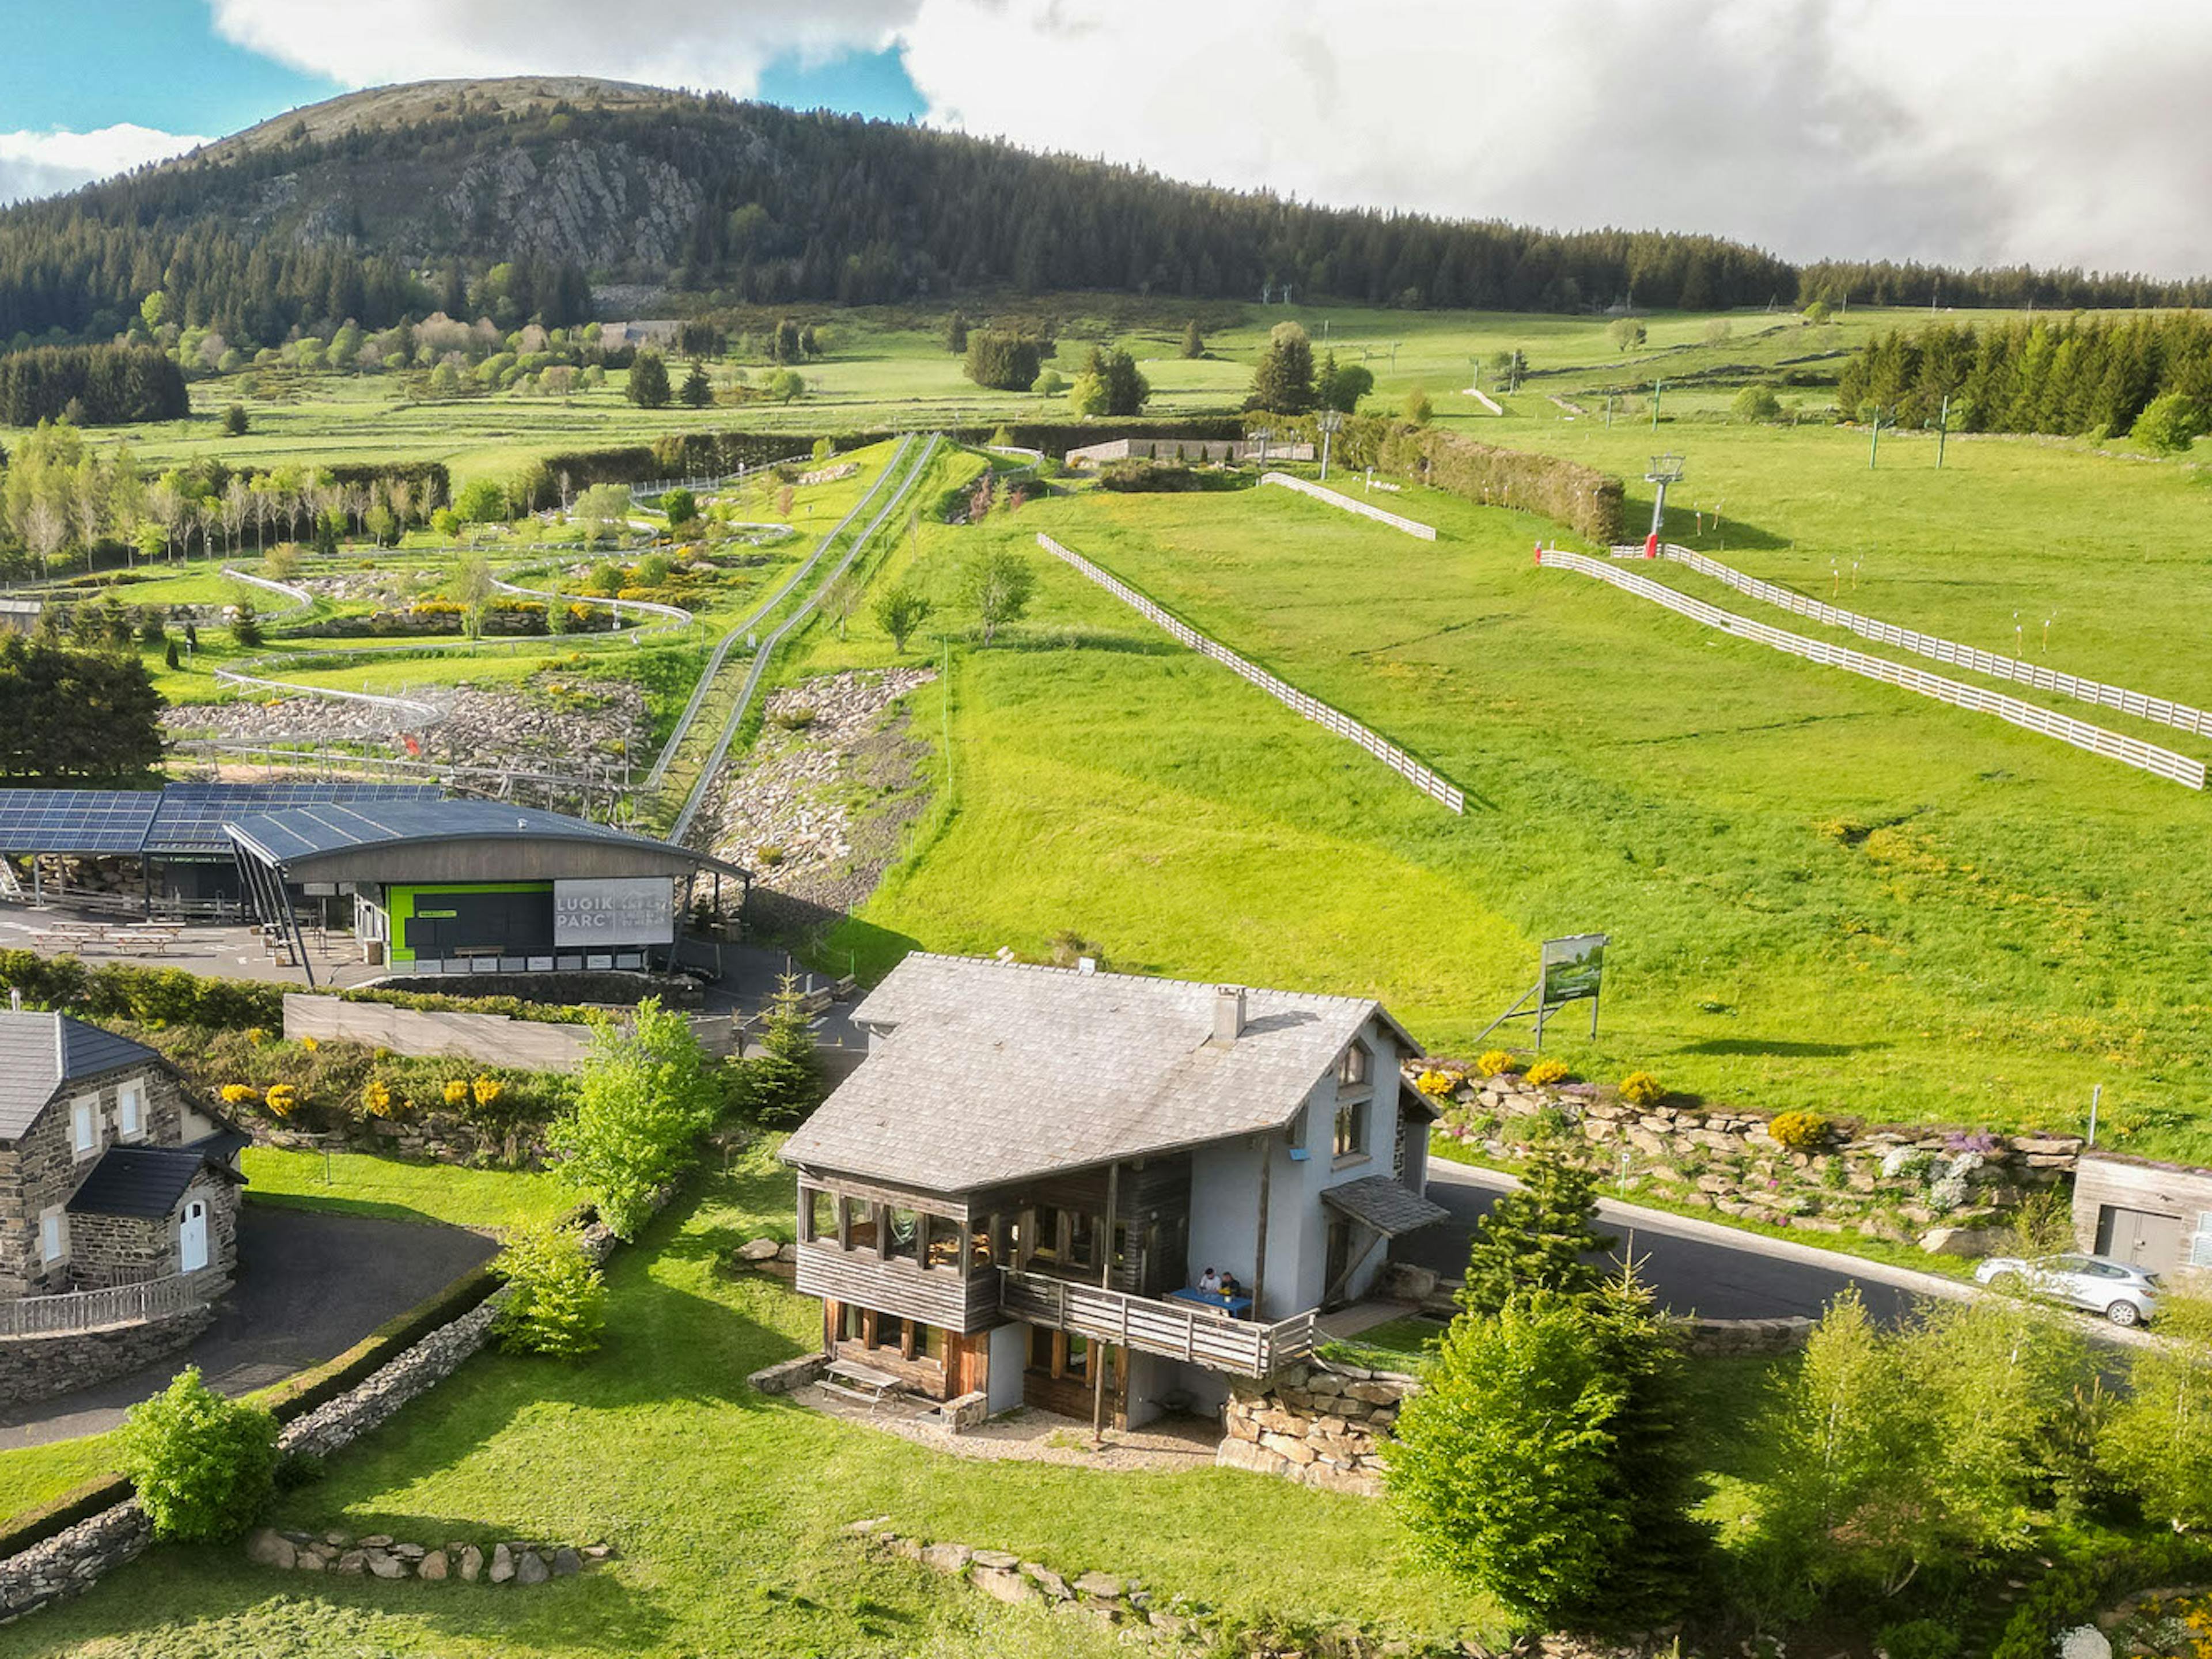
(996, 1071)
(1387, 1206)
(140, 1181)
(39, 1052)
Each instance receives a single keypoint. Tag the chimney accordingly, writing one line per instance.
(1228, 1016)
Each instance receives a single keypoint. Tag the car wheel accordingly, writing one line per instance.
(2007, 1282)
(2124, 1314)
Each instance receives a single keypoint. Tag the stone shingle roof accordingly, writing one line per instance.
(1389, 1206)
(996, 1071)
(39, 1052)
(141, 1180)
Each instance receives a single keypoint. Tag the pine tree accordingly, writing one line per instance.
(1193, 344)
(698, 389)
(1539, 1238)
(1283, 382)
(956, 335)
(648, 381)
(783, 1083)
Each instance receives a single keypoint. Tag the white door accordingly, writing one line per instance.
(192, 1238)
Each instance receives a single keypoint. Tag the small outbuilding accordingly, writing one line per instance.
(2156, 1215)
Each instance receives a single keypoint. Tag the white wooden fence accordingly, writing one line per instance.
(2129, 751)
(1421, 777)
(114, 1304)
(1426, 532)
(1176, 1330)
(2179, 715)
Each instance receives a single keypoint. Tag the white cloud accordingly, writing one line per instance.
(35, 164)
(2050, 131)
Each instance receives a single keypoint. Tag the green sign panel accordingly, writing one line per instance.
(1574, 968)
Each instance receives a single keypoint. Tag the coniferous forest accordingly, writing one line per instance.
(765, 206)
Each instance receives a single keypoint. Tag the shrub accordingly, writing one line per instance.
(376, 1098)
(1800, 1132)
(1438, 1085)
(779, 1085)
(556, 1297)
(1917, 1638)
(1494, 1062)
(205, 1466)
(1642, 1089)
(1136, 476)
(1582, 498)
(644, 1097)
(1547, 1071)
(283, 1099)
(241, 1094)
(1755, 404)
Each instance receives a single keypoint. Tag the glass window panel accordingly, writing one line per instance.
(861, 1213)
(849, 1326)
(941, 1242)
(905, 1234)
(822, 1215)
(1078, 1355)
(933, 1343)
(1045, 1247)
(1040, 1348)
(890, 1332)
(979, 1246)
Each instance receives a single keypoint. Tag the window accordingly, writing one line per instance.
(1082, 1242)
(1041, 1348)
(905, 1228)
(84, 1126)
(1044, 1245)
(1078, 1355)
(931, 1344)
(821, 1216)
(852, 1322)
(2200, 1248)
(1351, 1130)
(979, 1253)
(130, 1110)
(940, 1243)
(860, 1216)
(1353, 1066)
(53, 1234)
(890, 1333)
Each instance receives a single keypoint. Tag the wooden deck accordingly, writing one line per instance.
(1174, 1330)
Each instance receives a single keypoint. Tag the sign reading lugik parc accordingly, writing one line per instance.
(616, 910)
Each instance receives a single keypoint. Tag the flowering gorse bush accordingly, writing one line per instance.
(457, 1092)
(376, 1098)
(1546, 1071)
(487, 1091)
(1800, 1132)
(1642, 1089)
(241, 1094)
(1494, 1062)
(283, 1099)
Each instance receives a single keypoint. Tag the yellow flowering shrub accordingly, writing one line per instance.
(457, 1092)
(241, 1094)
(1494, 1062)
(376, 1098)
(256, 1035)
(1436, 1085)
(309, 1044)
(1642, 1089)
(1546, 1071)
(487, 1091)
(283, 1099)
(1800, 1132)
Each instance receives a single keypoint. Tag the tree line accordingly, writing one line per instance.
(2066, 376)
(91, 386)
(811, 206)
(75, 715)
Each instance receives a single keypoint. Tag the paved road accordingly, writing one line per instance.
(1732, 1278)
(310, 1286)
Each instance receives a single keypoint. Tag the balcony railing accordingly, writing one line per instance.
(1175, 1330)
(112, 1305)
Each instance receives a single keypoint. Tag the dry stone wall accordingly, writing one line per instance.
(1321, 1425)
(1949, 1189)
(34, 1368)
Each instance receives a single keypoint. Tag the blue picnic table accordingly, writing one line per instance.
(1236, 1307)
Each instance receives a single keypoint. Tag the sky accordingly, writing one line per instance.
(1965, 131)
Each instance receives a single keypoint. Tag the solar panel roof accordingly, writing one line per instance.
(306, 830)
(181, 820)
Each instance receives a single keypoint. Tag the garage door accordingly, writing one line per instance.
(2143, 1237)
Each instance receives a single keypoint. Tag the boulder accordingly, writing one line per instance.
(531, 1568)
(1958, 1241)
(354, 1562)
(377, 1540)
(1404, 1282)
(758, 1250)
(502, 1564)
(567, 1562)
(472, 1561)
(1046, 1580)
(947, 1558)
(385, 1565)
(433, 1565)
(266, 1546)
(1002, 1585)
(1099, 1586)
(1004, 1560)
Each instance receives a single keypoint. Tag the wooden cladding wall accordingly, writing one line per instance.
(936, 1296)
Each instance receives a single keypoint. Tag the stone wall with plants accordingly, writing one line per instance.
(1951, 1191)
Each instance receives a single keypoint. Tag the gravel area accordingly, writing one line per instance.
(1171, 1445)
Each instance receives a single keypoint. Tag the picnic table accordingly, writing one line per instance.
(1236, 1307)
(860, 1382)
(153, 938)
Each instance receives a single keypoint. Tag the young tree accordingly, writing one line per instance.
(1003, 361)
(1194, 343)
(781, 1084)
(245, 624)
(472, 588)
(899, 610)
(786, 384)
(680, 506)
(1755, 404)
(204, 1466)
(1539, 1238)
(843, 599)
(556, 1296)
(1417, 410)
(481, 501)
(1340, 387)
(1283, 382)
(234, 420)
(1626, 333)
(956, 335)
(648, 381)
(643, 1098)
(604, 510)
(2158, 1442)
(996, 587)
(2168, 425)
(698, 388)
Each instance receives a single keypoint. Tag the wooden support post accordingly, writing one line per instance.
(1105, 1282)
(1259, 1254)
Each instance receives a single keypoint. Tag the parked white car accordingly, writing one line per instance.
(2122, 1292)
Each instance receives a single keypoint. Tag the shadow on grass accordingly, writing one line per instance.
(1778, 1047)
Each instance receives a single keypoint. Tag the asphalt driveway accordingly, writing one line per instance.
(310, 1286)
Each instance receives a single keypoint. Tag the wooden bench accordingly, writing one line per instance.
(862, 1382)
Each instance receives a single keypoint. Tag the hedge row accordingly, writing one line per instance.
(145, 996)
(1586, 500)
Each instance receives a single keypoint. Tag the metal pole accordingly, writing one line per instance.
(1874, 445)
(1656, 387)
(1942, 431)
(2096, 1098)
(1105, 1282)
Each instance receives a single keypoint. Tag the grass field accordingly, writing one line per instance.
(355, 1183)
(1823, 892)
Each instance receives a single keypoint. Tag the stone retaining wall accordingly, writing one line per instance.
(380, 1556)
(72, 1561)
(790, 1375)
(1948, 1189)
(34, 1368)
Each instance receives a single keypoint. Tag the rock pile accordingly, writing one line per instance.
(380, 1556)
(1322, 1425)
(799, 815)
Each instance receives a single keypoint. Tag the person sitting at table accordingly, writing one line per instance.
(1209, 1282)
(1227, 1287)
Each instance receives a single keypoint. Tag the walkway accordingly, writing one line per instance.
(310, 1286)
(218, 950)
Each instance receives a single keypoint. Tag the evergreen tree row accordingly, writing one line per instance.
(2063, 375)
(69, 714)
(91, 386)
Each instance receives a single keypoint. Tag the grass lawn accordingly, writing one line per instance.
(729, 1508)
(359, 1184)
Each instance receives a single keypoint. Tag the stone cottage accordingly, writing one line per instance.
(109, 1173)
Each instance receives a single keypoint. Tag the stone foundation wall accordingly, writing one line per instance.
(1948, 1189)
(1322, 1425)
(34, 1368)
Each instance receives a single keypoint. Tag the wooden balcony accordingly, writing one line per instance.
(935, 1296)
(75, 1311)
(1174, 1330)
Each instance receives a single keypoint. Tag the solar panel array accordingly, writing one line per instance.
(183, 820)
